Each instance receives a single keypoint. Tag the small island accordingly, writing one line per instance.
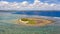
(34, 21)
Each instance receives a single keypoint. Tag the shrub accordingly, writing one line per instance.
(25, 19)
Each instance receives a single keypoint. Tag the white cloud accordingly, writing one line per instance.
(37, 5)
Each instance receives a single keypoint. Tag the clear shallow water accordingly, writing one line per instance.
(8, 25)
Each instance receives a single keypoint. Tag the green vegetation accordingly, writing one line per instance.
(30, 21)
(25, 19)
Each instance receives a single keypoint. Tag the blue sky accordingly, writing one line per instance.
(31, 1)
(19, 0)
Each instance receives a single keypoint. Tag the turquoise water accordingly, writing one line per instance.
(9, 26)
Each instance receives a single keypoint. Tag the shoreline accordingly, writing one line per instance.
(44, 22)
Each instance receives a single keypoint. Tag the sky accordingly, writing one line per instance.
(29, 4)
(31, 1)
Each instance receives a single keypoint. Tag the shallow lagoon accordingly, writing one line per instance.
(8, 25)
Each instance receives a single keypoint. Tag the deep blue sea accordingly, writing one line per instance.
(40, 13)
(8, 22)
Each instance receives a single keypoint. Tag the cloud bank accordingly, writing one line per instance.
(37, 5)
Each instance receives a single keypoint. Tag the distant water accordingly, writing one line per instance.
(8, 26)
(40, 13)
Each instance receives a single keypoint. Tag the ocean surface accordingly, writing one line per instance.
(40, 13)
(8, 22)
